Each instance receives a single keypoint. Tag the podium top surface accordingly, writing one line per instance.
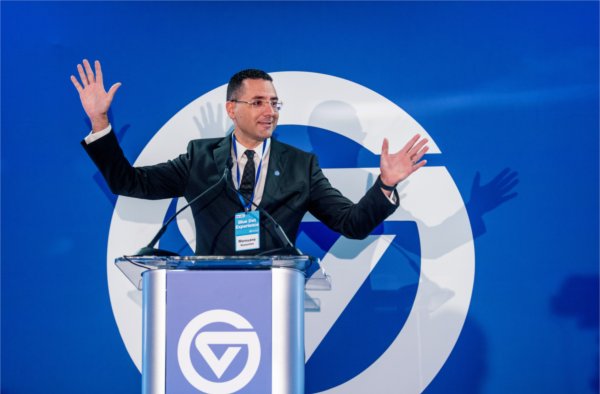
(302, 263)
(134, 266)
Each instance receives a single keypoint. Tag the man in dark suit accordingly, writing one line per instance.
(282, 180)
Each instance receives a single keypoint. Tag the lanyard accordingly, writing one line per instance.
(247, 206)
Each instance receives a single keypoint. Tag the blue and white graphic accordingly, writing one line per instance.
(203, 342)
(219, 329)
(419, 341)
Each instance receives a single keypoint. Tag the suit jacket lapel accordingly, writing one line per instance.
(221, 154)
(277, 163)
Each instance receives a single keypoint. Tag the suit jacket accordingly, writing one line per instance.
(294, 185)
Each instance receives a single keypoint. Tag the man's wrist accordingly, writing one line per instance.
(100, 123)
(384, 186)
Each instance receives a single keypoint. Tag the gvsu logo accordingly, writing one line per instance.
(195, 339)
(399, 297)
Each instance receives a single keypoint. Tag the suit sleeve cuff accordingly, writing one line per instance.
(91, 137)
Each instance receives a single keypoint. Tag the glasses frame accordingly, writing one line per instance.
(260, 103)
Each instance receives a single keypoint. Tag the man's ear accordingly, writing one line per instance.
(229, 107)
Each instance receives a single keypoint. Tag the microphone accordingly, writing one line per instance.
(150, 250)
(281, 235)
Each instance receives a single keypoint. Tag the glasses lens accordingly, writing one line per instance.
(276, 105)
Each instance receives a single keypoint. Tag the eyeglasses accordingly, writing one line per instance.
(259, 103)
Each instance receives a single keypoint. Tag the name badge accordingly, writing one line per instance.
(247, 231)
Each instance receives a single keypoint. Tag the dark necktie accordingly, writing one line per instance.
(249, 176)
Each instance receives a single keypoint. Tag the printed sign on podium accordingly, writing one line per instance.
(223, 324)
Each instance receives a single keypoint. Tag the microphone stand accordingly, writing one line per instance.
(150, 250)
(289, 247)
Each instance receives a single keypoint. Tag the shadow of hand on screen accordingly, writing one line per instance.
(484, 198)
(212, 122)
(489, 196)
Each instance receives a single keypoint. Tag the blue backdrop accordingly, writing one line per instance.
(509, 91)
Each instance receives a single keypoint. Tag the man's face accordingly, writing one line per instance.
(253, 124)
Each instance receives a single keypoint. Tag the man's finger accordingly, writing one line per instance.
(421, 153)
(99, 77)
(82, 76)
(385, 147)
(113, 90)
(419, 165)
(417, 147)
(410, 143)
(88, 70)
(76, 84)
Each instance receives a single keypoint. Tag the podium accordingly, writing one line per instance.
(224, 324)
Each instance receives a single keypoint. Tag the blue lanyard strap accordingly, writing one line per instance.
(247, 206)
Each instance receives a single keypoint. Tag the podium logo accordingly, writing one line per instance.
(195, 339)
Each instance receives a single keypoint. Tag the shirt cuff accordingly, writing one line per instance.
(391, 198)
(91, 137)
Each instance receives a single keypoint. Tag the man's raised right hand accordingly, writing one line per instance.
(94, 98)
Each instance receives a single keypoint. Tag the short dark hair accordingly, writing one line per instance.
(235, 83)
